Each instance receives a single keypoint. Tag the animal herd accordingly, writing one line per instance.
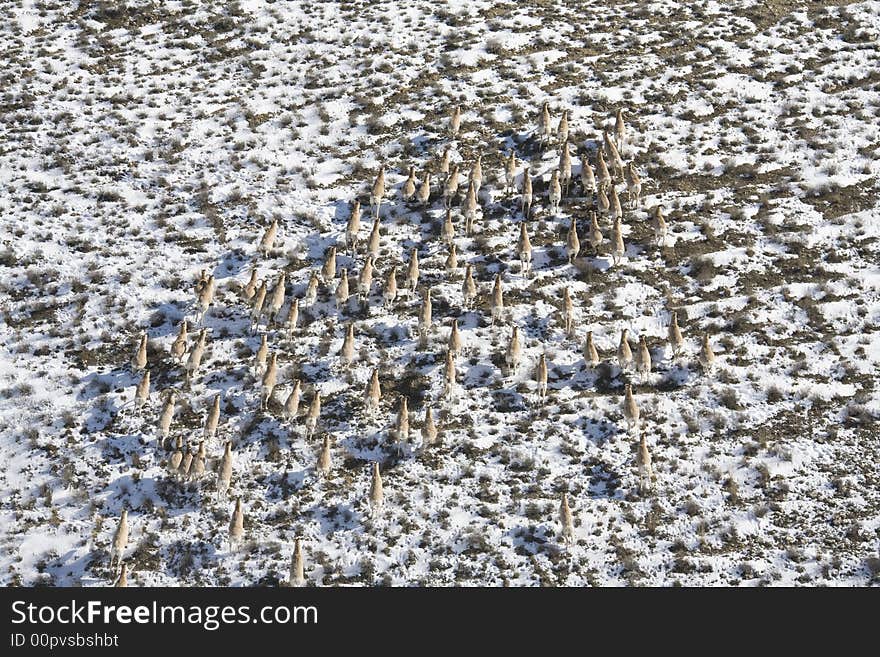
(272, 310)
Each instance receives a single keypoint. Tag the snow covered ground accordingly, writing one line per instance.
(141, 144)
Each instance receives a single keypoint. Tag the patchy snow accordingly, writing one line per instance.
(146, 142)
